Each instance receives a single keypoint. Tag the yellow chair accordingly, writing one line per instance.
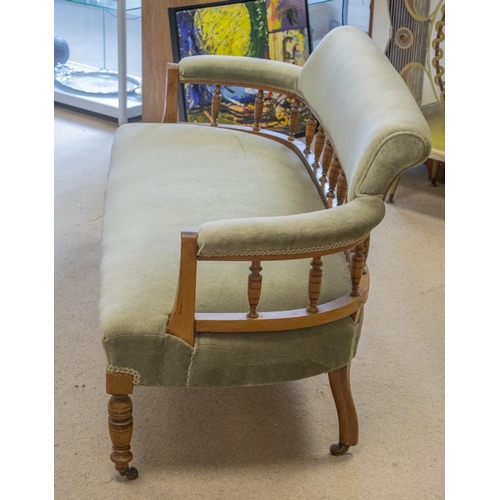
(436, 124)
(425, 81)
(435, 119)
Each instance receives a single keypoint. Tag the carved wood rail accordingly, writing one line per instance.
(318, 155)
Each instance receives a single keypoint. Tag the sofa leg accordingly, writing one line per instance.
(348, 420)
(120, 422)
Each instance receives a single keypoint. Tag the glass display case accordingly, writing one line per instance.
(324, 15)
(97, 56)
(357, 13)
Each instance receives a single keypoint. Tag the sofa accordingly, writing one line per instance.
(237, 256)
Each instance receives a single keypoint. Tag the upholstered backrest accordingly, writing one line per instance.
(366, 108)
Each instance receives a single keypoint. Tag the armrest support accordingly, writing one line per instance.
(290, 235)
(241, 71)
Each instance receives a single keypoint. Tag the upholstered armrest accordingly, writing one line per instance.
(293, 234)
(240, 71)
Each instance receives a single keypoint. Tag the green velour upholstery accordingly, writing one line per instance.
(362, 102)
(234, 70)
(245, 195)
(286, 235)
(165, 178)
(377, 128)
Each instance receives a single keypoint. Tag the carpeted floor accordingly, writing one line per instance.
(265, 442)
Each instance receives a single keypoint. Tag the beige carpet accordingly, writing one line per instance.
(266, 442)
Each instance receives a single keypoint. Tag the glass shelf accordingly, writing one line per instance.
(314, 2)
(95, 68)
(325, 15)
(109, 4)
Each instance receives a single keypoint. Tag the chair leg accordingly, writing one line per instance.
(392, 190)
(435, 167)
(120, 422)
(340, 384)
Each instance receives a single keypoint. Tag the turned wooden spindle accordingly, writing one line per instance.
(120, 421)
(294, 120)
(341, 188)
(327, 159)
(357, 265)
(319, 142)
(216, 106)
(314, 288)
(259, 106)
(310, 130)
(333, 175)
(254, 287)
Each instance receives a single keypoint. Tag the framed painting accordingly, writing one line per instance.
(266, 29)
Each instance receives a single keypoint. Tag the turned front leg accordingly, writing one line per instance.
(340, 383)
(120, 421)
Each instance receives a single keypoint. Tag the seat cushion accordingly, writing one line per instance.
(165, 178)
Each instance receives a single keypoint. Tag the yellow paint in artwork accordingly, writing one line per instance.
(223, 30)
(273, 18)
(288, 46)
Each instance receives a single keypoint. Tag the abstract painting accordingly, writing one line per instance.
(266, 29)
(283, 15)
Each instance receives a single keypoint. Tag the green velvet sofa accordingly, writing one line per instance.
(190, 208)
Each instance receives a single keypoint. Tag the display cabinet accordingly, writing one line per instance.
(325, 15)
(97, 56)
